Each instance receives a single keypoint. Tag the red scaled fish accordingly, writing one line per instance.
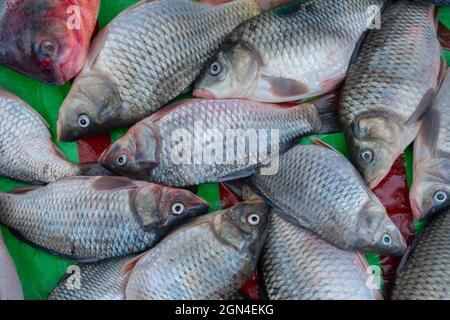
(46, 39)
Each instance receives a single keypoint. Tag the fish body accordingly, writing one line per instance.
(390, 87)
(103, 280)
(298, 265)
(46, 39)
(94, 218)
(318, 188)
(424, 271)
(295, 51)
(150, 146)
(436, 2)
(430, 191)
(209, 258)
(28, 152)
(147, 56)
(10, 287)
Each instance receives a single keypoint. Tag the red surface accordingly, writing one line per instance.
(90, 149)
(393, 193)
(444, 36)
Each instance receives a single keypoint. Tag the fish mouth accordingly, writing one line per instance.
(203, 93)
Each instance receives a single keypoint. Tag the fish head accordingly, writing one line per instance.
(161, 208)
(135, 154)
(47, 40)
(430, 191)
(230, 75)
(377, 232)
(93, 106)
(244, 226)
(375, 142)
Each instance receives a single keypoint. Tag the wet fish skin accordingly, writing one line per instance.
(130, 75)
(386, 95)
(10, 287)
(28, 152)
(284, 54)
(430, 191)
(298, 265)
(223, 251)
(103, 280)
(46, 39)
(437, 2)
(318, 188)
(92, 218)
(149, 145)
(424, 271)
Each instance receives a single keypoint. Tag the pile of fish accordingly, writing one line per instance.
(372, 68)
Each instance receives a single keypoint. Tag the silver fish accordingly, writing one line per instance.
(147, 56)
(430, 190)
(27, 151)
(149, 148)
(390, 87)
(103, 280)
(424, 273)
(298, 265)
(89, 219)
(296, 51)
(209, 258)
(10, 287)
(318, 188)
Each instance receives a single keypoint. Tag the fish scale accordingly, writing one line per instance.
(28, 153)
(395, 68)
(298, 265)
(78, 218)
(317, 188)
(425, 271)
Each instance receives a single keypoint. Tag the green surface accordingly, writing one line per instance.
(39, 271)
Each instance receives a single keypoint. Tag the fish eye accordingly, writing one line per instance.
(216, 68)
(177, 208)
(367, 155)
(84, 121)
(386, 240)
(47, 48)
(253, 219)
(122, 160)
(440, 197)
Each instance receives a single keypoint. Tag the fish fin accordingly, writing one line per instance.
(235, 186)
(113, 183)
(443, 72)
(333, 84)
(429, 131)
(93, 169)
(287, 217)
(283, 87)
(322, 143)
(444, 36)
(408, 254)
(214, 2)
(132, 263)
(238, 175)
(24, 190)
(416, 119)
(358, 47)
(67, 257)
(327, 106)
(251, 184)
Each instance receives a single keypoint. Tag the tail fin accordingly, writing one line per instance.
(327, 106)
(93, 170)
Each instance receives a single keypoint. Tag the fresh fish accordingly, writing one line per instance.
(130, 75)
(437, 2)
(424, 273)
(89, 219)
(10, 287)
(296, 51)
(298, 265)
(209, 258)
(46, 39)
(27, 151)
(98, 281)
(430, 191)
(390, 87)
(148, 149)
(318, 188)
